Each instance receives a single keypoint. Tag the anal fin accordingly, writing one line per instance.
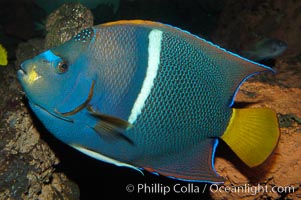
(195, 164)
(252, 134)
(101, 157)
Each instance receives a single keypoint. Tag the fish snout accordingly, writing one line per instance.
(22, 69)
(26, 66)
(28, 73)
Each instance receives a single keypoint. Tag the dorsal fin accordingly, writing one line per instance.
(233, 68)
(236, 70)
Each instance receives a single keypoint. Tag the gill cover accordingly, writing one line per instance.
(73, 53)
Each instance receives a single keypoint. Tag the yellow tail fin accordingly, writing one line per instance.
(252, 134)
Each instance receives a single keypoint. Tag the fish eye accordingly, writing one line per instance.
(62, 67)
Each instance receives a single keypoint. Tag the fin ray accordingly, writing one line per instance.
(195, 164)
(115, 121)
(252, 134)
(108, 131)
(110, 127)
(103, 158)
(234, 68)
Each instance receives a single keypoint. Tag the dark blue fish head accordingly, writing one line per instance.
(59, 80)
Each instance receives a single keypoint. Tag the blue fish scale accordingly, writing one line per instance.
(183, 101)
(113, 90)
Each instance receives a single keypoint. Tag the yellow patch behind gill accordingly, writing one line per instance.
(33, 76)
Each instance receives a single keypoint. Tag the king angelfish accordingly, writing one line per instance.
(149, 96)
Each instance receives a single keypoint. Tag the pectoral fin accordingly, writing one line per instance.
(115, 121)
(110, 127)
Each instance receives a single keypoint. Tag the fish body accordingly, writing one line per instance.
(265, 49)
(146, 95)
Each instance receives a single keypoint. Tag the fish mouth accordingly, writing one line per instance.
(22, 73)
(64, 116)
(27, 74)
(22, 70)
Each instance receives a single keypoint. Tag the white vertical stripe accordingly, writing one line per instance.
(154, 49)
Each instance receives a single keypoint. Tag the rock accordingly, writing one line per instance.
(28, 50)
(65, 22)
(26, 162)
(259, 19)
(280, 175)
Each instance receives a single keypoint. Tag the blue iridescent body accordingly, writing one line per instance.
(138, 94)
